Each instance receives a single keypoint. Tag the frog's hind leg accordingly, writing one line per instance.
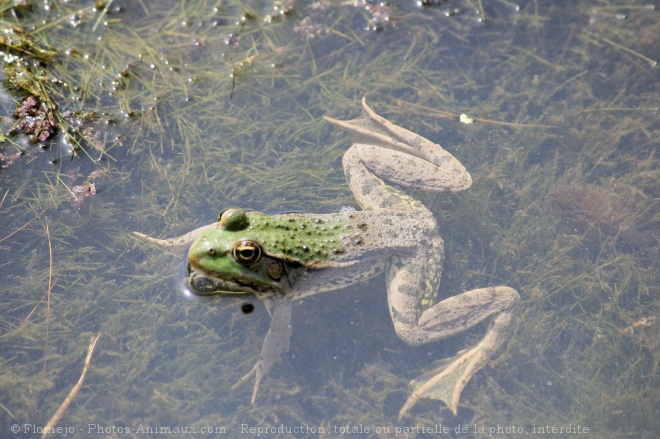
(369, 191)
(444, 319)
(399, 156)
(446, 382)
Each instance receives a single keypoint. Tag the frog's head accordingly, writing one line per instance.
(232, 256)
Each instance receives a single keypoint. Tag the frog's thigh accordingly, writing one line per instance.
(450, 316)
(412, 286)
(361, 165)
(409, 170)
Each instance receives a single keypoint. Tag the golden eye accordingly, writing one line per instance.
(247, 252)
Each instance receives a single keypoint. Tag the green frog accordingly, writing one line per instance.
(283, 258)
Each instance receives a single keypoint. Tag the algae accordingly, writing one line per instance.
(165, 113)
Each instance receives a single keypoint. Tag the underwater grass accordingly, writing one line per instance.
(197, 113)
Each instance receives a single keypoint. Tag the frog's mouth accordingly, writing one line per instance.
(205, 284)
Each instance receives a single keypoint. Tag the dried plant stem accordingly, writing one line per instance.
(652, 62)
(50, 287)
(22, 227)
(449, 115)
(72, 394)
(27, 318)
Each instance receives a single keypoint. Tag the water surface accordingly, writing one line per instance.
(187, 108)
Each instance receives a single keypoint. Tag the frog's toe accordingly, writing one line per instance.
(446, 382)
(257, 372)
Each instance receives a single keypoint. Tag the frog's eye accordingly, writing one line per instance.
(247, 252)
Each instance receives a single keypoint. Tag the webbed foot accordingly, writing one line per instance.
(446, 383)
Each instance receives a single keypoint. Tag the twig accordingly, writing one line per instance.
(101, 15)
(27, 318)
(72, 394)
(644, 322)
(652, 62)
(23, 226)
(448, 115)
(3, 198)
(50, 287)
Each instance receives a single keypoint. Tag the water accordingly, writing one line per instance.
(199, 106)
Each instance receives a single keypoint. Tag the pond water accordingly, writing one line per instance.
(156, 116)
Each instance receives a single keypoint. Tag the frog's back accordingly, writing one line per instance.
(362, 247)
(392, 230)
(363, 236)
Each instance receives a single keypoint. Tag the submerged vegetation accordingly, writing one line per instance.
(155, 116)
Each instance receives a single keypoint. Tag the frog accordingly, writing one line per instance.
(287, 257)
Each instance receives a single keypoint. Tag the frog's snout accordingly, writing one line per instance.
(198, 251)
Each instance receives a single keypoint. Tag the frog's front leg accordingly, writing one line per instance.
(276, 344)
(444, 319)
